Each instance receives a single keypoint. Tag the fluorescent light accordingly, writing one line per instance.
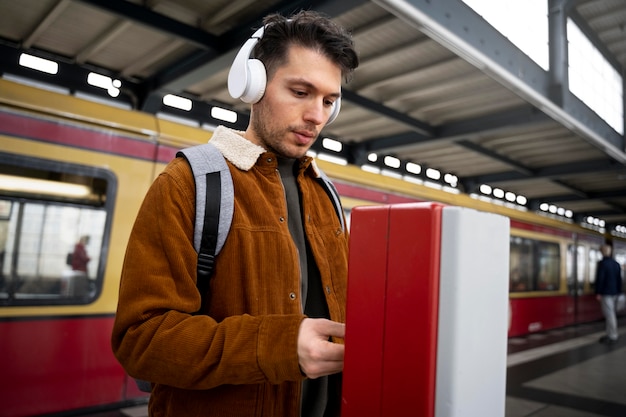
(39, 64)
(433, 174)
(223, 114)
(372, 157)
(178, 102)
(332, 144)
(98, 80)
(413, 168)
(392, 161)
(451, 179)
(32, 185)
(485, 189)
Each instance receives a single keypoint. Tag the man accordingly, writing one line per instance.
(265, 339)
(608, 288)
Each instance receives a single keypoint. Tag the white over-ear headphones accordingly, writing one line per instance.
(247, 77)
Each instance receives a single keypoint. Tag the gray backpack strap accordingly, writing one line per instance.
(205, 159)
(330, 189)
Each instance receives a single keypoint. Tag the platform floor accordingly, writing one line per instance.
(567, 373)
(561, 373)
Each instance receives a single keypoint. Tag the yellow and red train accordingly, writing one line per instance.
(71, 168)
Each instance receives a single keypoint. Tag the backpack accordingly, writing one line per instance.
(215, 200)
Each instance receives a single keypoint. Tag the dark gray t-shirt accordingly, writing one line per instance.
(320, 397)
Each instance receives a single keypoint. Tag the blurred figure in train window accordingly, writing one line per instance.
(516, 282)
(80, 259)
(608, 289)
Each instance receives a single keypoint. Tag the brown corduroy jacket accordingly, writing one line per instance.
(239, 356)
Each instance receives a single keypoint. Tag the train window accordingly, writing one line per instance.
(520, 266)
(549, 263)
(534, 265)
(576, 277)
(594, 257)
(54, 223)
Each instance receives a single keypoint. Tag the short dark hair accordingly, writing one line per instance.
(308, 29)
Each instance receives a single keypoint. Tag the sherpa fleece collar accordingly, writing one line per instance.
(240, 151)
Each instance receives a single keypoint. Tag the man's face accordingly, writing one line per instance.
(297, 103)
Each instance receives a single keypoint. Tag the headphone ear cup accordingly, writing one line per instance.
(335, 111)
(256, 82)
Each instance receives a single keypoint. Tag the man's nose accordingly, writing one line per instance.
(316, 112)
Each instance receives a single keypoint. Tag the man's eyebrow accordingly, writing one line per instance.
(311, 86)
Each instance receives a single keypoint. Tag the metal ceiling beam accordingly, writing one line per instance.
(417, 125)
(494, 155)
(592, 166)
(156, 21)
(488, 124)
(194, 67)
(457, 27)
(479, 126)
(600, 195)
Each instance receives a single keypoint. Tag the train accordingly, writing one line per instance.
(71, 167)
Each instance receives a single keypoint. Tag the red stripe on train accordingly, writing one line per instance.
(63, 134)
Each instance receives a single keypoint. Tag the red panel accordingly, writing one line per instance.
(530, 315)
(411, 310)
(52, 365)
(392, 307)
(365, 312)
(588, 309)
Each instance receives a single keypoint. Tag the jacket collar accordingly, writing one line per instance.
(242, 153)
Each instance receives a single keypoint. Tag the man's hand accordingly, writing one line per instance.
(318, 356)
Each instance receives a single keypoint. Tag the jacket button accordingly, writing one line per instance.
(327, 289)
(292, 296)
(269, 160)
(282, 219)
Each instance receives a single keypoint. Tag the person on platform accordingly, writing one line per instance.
(265, 340)
(608, 287)
(80, 259)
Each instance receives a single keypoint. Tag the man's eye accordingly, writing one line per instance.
(299, 93)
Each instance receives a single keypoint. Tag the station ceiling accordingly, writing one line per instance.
(437, 85)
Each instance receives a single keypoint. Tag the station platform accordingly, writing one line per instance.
(560, 373)
(567, 373)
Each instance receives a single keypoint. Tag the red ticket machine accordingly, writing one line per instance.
(427, 307)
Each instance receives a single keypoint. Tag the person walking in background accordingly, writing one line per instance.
(80, 259)
(608, 288)
(265, 339)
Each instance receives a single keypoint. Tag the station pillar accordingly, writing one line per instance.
(426, 319)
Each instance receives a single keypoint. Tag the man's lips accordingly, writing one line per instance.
(304, 136)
